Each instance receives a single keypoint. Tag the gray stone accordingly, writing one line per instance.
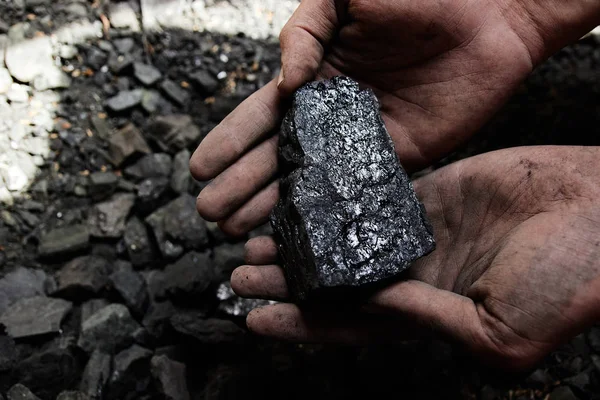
(348, 215)
(562, 393)
(138, 244)
(189, 277)
(174, 133)
(35, 316)
(95, 375)
(64, 240)
(82, 277)
(23, 283)
(103, 183)
(147, 74)
(90, 307)
(178, 223)
(155, 281)
(77, 10)
(122, 16)
(125, 143)
(131, 286)
(235, 306)
(151, 191)
(150, 166)
(29, 58)
(156, 320)
(175, 92)
(151, 100)
(124, 45)
(109, 329)
(72, 395)
(181, 178)
(101, 126)
(5, 81)
(206, 331)
(120, 64)
(107, 219)
(125, 100)
(20, 392)
(96, 58)
(205, 81)
(131, 371)
(170, 377)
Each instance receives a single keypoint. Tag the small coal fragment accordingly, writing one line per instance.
(138, 244)
(96, 375)
(130, 375)
(124, 45)
(150, 166)
(108, 330)
(156, 320)
(90, 307)
(228, 257)
(96, 58)
(181, 178)
(72, 395)
(124, 100)
(147, 74)
(207, 83)
(175, 132)
(120, 64)
(170, 378)
(235, 306)
(35, 316)
(125, 143)
(175, 92)
(151, 100)
(562, 393)
(23, 283)
(20, 392)
(178, 223)
(8, 353)
(348, 214)
(206, 331)
(107, 219)
(64, 240)
(151, 193)
(189, 277)
(103, 183)
(82, 277)
(131, 286)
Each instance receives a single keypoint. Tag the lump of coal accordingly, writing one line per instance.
(348, 215)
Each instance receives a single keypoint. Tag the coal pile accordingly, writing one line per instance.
(112, 286)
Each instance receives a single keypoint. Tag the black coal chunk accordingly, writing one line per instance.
(348, 214)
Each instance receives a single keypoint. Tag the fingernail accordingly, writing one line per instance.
(280, 80)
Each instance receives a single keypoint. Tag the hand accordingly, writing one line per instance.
(516, 270)
(439, 68)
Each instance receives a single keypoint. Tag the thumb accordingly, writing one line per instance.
(302, 42)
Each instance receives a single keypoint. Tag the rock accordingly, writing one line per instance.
(108, 330)
(206, 331)
(151, 100)
(72, 395)
(147, 74)
(96, 375)
(107, 219)
(181, 178)
(350, 216)
(29, 58)
(170, 377)
(20, 392)
(22, 283)
(125, 143)
(150, 166)
(35, 316)
(138, 244)
(130, 373)
(64, 240)
(83, 277)
(5, 81)
(68, 52)
(131, 287)
(178, 223)
(8, 353)
(207, 83)
(594, 339)
(122, 16)
(580, 381)
(215, 232)
(155, 281)
(228, 257)
(189, 277)
(562, 393)
(51, 78)
(18, 93)
(174, 133)
(77, 10)
(3, 27)
(124, 45)
(175, 92)
(96, 58)
(120, 64)
(90, 307)
(102, 183)
(540, 378)
(125, 100)
(156, 320)
(101, 128)
(235, 306)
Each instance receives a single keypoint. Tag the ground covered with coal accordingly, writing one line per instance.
(112, 287)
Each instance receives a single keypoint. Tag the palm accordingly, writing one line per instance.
(517, 251)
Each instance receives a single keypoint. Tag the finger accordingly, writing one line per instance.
(288, 322)
(254, 119)
(252, 214)
(261, 250)
(231, 189)
(260, 282)
(445, 312)
(302, 39)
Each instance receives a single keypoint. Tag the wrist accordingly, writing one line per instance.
(546, 26)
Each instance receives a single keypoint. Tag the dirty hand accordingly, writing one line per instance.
(439, 68)
(516, 270)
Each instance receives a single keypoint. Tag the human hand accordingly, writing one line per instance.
(439, 68)
(516, 270)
